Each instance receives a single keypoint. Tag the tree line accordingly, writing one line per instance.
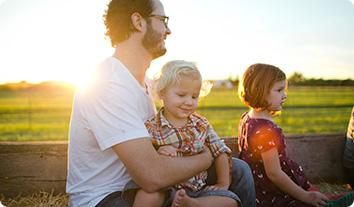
(298, 79)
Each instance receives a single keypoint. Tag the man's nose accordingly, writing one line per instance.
(168, 30)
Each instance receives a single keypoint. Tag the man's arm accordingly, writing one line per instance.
(152, 171)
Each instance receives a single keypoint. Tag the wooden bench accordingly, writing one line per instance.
(27, 167)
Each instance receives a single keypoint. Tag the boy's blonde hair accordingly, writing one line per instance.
(256, 84)
(172, 72)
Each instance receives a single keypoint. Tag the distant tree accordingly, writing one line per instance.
(296, 79)
(233, 80)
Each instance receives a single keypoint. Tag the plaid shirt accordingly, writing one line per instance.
(188, 140)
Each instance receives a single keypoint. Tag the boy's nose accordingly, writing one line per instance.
(189, 101)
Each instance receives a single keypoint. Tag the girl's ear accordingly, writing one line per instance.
(138, 22)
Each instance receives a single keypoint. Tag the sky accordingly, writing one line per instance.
(51, 40)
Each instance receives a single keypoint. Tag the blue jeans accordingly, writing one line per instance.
(242, 185)
(242, 182)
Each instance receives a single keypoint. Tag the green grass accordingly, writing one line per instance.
(45, 114)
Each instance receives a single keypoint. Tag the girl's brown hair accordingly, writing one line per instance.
(256, 84)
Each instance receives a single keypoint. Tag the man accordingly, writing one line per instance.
(109, 144)
(348, 155)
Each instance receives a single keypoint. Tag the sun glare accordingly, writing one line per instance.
(80, 83)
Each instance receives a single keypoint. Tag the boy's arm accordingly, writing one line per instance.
(152, 171)
(220, 151)
(222, 167)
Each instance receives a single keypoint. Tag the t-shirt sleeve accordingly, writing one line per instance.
(113, 115)
(265, 138)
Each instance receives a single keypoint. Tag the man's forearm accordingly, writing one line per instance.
(152, 171)
(178, 169)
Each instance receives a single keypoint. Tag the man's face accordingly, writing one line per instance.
(156, 32)
(154, 41)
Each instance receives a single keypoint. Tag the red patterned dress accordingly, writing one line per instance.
(263, 135)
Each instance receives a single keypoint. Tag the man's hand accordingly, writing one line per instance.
(167, 150)
(217, 187)
(208, 155)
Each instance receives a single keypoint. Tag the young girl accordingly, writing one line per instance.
(177, 130)
(278, 180)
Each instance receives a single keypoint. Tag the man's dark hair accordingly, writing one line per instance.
(118, 17)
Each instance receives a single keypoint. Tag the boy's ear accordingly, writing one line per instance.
(138, 22)
(161, 94)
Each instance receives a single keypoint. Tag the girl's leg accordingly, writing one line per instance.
(144, 199)
(183, 200)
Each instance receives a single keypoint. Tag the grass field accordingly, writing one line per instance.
(44, 114)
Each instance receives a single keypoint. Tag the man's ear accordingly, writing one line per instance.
(138, 22)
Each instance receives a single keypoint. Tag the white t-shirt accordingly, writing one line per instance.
(111, 111)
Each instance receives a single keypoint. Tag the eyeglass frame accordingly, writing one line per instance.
(163, 18)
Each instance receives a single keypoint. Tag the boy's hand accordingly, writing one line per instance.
(167, 150)
(217, 186)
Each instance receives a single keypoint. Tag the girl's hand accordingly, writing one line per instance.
(316, 198)
(217, 186)
(167, 150)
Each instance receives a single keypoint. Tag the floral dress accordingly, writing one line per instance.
(263, 135)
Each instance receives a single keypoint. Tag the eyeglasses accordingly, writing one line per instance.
(164, 19)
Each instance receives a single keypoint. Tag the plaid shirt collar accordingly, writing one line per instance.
(162, 121)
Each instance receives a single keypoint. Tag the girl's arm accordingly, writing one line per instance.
(222, 168)
(283, 181)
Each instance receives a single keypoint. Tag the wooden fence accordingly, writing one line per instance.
(28, 167)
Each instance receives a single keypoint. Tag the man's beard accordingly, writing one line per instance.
(152, 42)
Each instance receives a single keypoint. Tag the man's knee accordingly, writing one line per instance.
(144, 198)
(240, 167)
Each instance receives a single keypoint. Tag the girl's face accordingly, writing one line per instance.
(277, 96)
(180, 100)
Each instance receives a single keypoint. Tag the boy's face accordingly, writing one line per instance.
(181, 100)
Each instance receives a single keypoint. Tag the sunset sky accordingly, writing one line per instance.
(63, 40)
